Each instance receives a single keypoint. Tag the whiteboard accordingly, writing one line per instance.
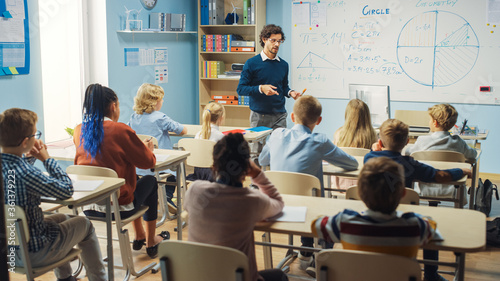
(424, 50)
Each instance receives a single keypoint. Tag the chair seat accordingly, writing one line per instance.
(138, 214)
(37, 271)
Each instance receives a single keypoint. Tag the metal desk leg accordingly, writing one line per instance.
(460, 271)
(268, 255)
(473, 186)
(109, 224)
(181, 181)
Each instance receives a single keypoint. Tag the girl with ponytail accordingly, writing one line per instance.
(212, 117)
(103, 141)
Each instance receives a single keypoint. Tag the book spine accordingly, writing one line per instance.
(204, 43)
(242, 49)
(226, 101)
(245, 12)
(252, 4)
(216, 97)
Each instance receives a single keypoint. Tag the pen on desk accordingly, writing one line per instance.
(150, 138)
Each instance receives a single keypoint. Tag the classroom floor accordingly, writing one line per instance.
(480, 266)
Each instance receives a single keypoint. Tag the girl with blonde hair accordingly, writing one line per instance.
(149, 120)
(212, 117)
(356, 132)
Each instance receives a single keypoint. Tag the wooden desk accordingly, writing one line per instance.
(175, 161)
(249, 135)
(464, 231)
(104, 192)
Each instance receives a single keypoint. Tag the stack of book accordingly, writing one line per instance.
(167, 22)
(216, 43)
(244, 100)
(242, 46)
(212, 12)
(212, 69)
(225, 99)
(231, 74)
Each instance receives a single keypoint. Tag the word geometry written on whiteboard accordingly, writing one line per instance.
(437, 48)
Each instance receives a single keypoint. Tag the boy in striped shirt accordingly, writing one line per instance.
(379, 229)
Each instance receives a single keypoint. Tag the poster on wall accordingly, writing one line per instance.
(14, 37)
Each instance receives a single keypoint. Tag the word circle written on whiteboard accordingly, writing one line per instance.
(369, 11)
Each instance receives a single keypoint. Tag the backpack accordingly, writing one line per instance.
(493, 232)
(484, 194)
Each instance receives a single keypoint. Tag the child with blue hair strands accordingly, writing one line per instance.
(102, 141)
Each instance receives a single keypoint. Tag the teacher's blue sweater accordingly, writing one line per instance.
(257, 72)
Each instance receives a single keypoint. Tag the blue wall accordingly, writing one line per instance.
(182, 89)
(25, 91)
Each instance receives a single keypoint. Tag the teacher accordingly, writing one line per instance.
(265, 80)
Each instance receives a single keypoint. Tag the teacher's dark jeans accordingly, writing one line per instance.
(145, 194)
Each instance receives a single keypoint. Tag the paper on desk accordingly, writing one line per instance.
(291, 214)
(86, 185)
(161, 157)
(437, 236)
(68, 152)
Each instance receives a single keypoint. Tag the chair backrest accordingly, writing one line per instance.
(146, 137)
(413, 117)
(295, 183)
(355, 151)
(360, 266)
(411, 197)
(16, 213)
(439, 155)
(201, 152)
(185, 261)
(91, 171)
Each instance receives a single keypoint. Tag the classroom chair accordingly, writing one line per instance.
(123, 237)
(411, 197)
(187, 261)
(352, 265)
(338, 192)
(294, 184)
(201, 152)
(355, 151)
(447, 156)
(22, 237)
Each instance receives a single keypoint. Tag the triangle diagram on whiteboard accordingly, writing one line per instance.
(460, 37)
(311, 60)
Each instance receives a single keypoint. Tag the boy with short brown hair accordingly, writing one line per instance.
(442, 118)
(381, 187)
(393, 138)
(51, 237)
(300, 150)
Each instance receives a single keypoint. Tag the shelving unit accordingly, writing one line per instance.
(236, 115)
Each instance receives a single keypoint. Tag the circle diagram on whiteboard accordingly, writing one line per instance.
(437, 48)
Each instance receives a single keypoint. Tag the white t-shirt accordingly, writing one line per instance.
(215, 134)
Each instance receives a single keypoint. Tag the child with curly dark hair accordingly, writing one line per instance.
(224, 212)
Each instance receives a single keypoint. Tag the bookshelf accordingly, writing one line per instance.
(236, 115)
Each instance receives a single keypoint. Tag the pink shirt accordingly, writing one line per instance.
(225, 215)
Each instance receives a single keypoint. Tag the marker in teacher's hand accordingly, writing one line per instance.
(303, 91)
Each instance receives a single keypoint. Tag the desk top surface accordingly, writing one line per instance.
(85, 197)
(174, 156)
(463, 230)
(329, 169)
(481, 136)
(249, 135)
